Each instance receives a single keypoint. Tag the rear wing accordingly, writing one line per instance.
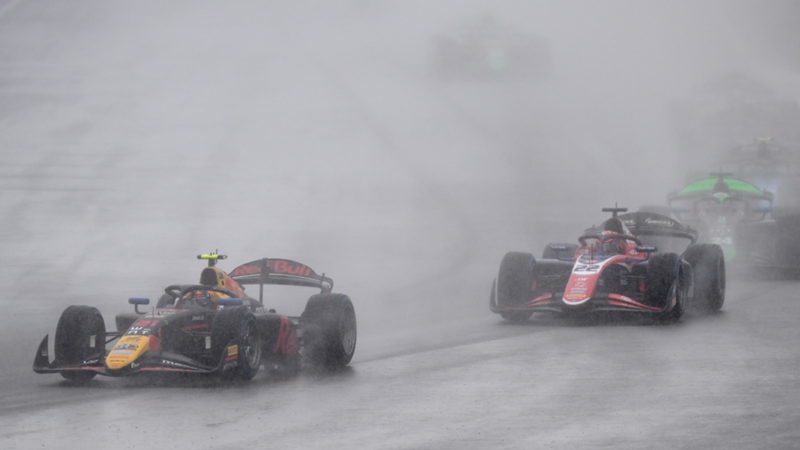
(280, 271)
(651, 224)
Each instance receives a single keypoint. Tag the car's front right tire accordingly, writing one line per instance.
(513, 287)
(80, 336)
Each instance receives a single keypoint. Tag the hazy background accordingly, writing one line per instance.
(136, 135)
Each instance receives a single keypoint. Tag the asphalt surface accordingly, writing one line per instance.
(134, 136)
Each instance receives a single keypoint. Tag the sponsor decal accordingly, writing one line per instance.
(138, 330)
(233, 350)
(247, 270)
(228, 282)
(198, 318)
(123, 352)
(580, 284)
(194, 327)
(167, 362)
(284, 266)
(586, 268)
(666, 223)
(575, 296)
(287, 339)
(126, 347)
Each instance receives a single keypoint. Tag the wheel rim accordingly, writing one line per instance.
(251, 345)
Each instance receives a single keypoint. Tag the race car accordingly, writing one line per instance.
(481, 48)
(729, 110)
(615, 267)
(212, 327)
(738, 216)
(771, 167)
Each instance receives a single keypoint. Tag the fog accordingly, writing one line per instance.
(136, 135)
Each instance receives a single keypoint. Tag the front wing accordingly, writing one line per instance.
(149, 362)
(552, 302)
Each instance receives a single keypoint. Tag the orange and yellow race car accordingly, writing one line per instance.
(212, 327)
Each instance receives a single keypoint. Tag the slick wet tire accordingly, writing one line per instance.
(787, 248)
(80, 336)
(666, 280)
(514, 284)
(329, 324)
(236, 338)
(708, 272)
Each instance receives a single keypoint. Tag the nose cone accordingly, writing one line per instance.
(127, 350)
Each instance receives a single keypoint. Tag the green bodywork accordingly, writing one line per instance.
(733, 184)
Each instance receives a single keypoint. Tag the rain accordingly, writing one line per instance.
(135, 136)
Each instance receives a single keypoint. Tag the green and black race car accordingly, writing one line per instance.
(738, 216)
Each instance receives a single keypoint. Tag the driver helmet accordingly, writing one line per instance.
(202, 298)
(613, 243)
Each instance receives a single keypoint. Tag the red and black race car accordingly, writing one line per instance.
(212, 327)
(615, 267)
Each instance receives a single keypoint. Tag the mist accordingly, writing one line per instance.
(137, 135)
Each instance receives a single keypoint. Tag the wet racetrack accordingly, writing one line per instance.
(138, 135)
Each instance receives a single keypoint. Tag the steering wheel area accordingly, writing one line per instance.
(179, 291)
(603, 238)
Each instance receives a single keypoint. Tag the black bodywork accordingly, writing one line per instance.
(234, 336)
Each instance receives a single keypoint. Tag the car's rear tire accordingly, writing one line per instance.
(329, 330)
(708, 272)
(80, 336)
(237, 326)
(666, 280)
(514, 284)
(787, 251)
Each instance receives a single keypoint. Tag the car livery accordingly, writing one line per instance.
(614, 267)
(739, 216)
(212, 327)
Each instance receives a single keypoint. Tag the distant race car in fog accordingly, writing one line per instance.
(483, 49)
(615, 267)
(729, 110)
(737, 216)
(212, 327)
(771, 167)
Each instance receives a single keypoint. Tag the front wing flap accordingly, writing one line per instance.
(149, 362)
(552, 302)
